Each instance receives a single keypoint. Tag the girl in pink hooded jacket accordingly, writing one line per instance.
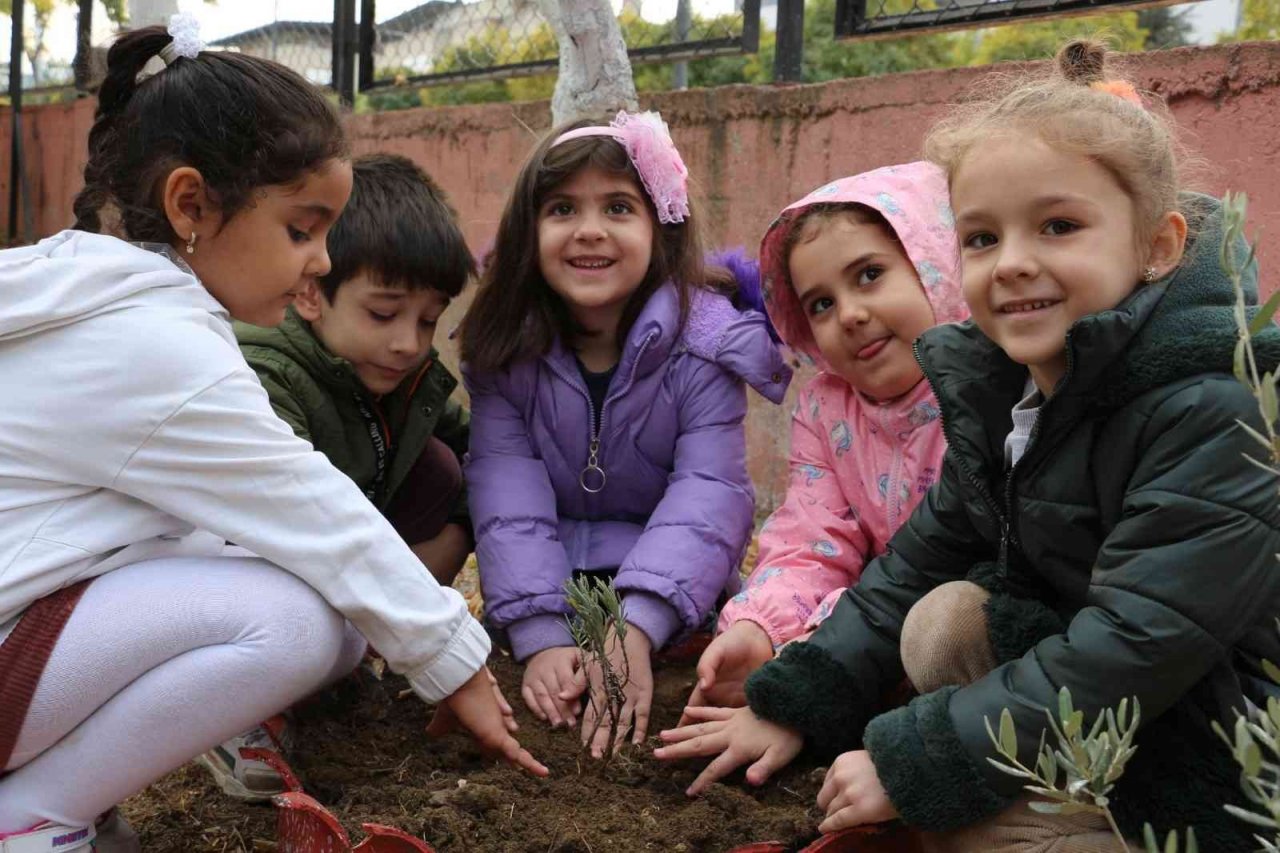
(853, 273)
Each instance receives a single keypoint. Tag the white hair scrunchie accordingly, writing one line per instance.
(186, 43)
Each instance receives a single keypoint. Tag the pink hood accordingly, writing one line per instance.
(858, 467)
(913, 199)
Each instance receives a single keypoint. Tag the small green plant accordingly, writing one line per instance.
(1255, 741)
(1263, 386)
(1088, 763)
(1077, 774)
(598, 627)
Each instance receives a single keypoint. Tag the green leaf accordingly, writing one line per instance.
(1012, 771)
(1046, 808)
(1270, 409)
(1008, 735)
(1192, 846)
(1149, 839)
(1065, 708)
(1265, 313)
(1272, 671)
(1251, 817)
(1079, 808)
(1251, 761)
(1047, 766)
(1171, 842)
(1255, 435)
(1238, 366)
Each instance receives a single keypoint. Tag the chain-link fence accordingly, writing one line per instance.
(304, 46)
(448, 42)
(870, 18)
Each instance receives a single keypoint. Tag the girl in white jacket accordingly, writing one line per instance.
(136, 445)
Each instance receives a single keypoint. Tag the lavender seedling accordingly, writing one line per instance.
(598, 623)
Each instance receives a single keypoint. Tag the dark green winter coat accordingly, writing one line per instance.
(316, 393)
(1131, 552)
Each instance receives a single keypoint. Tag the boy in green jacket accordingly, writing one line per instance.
(353, 371)
(352, 368)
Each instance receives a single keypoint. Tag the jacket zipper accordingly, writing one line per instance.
(597, 418)
(974, 479)
(1010, 537)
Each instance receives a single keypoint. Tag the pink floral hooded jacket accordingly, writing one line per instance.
(858, 467)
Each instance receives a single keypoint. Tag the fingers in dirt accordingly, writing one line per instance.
(641, 725)
(771, 762)
(722, 766)
(540, 702)
(845, 818)
(522, 758)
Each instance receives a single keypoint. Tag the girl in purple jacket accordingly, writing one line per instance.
(607, 371)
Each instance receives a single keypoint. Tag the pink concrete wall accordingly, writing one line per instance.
(751, 150)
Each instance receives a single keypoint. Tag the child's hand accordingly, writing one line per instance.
(552, 685)
(852, 794)
(725, 665)
(638, 691)
(479, 707)
(735, 736)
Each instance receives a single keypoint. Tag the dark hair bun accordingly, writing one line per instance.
(1083, 61)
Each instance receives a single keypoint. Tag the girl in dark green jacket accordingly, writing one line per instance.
(1098, 524)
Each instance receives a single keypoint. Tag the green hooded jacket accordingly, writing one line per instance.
(1131, 552)
(320, 396)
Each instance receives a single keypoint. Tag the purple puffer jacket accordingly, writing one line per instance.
(675, 513)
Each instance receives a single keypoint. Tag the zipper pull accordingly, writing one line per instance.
(592, 478)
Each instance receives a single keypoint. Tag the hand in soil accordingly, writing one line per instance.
(549, 681)
(735, 736)
(852, 794)
(479, 707)
(725, 665)
(635, 648)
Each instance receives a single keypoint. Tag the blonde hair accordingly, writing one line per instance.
(1079, 109)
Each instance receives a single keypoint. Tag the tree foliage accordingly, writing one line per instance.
(1259, 21)
(825, 57)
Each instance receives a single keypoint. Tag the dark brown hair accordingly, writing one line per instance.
(399, 227)
(243, 122)
(515, 314)
(813, 220)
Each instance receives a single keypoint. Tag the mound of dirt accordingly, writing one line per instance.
(362, 753)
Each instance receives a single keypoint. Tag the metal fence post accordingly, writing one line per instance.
(15, 107)
(789, 56)
(368, 43)
(345, 39)
(850, 14)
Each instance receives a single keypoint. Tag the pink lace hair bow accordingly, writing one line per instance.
(648, 143)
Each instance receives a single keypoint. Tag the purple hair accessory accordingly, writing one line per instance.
(648, 143)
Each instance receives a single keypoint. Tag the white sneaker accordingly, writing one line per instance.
(244, 778)
(50, 837)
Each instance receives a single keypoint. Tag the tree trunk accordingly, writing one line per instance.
(595, 74)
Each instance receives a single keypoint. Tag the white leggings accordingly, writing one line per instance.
(159, 662)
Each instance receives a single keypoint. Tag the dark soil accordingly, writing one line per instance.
(362, 753)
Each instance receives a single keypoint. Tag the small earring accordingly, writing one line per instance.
(1149, 274)
(191, 244)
